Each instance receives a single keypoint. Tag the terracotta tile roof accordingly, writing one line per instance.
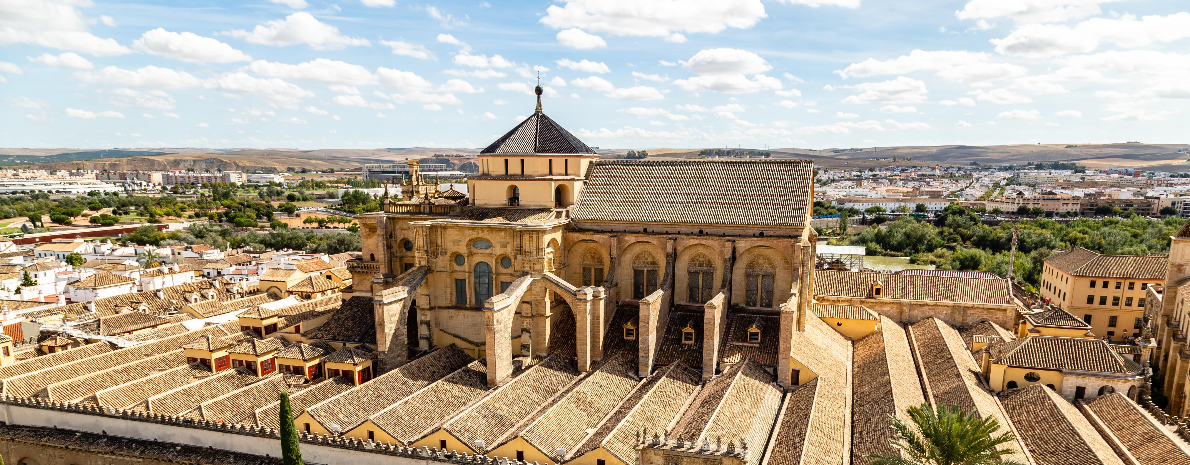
(314, 283)
(845, 312)
(788, 446)
(508, 215)
(614, 344)
(740, 403)
(652, 406)
(301, 351)
(769, 193)
(341, 272)
(568, 419)
(353, 321)
(94, 262)
(312, 265)
(351, 355)
(76, 389)
(123, 450)
(41, 266)
(101, 280)
(538, 134)
(53, 360)
(134, 392)
(951, 273)
(1055, 317)
(128, 322)
(280, 274)
(258, 347)
(493, 416)
(157, 272)
(1062, 353)
(419, 414)
(59, 246)
(1134, 430)
(239, 406)
(349, 409)
(671, 349)
(186, 398)
(116, 267)
(987, 331)
(913, 287)
(174, 298)
(258, 312)
(269, 416)
(884, 379)
(21, 304)
(950, 375)
(210, 343)
(827, 354)
(1054, 430)
(210, 308)
(735, 346)
(1078, 261)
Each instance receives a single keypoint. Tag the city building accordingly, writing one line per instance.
(1107, 292)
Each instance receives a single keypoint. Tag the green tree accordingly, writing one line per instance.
(27, 280)
(74, 259)
(148, 258)
(902, 208)
(291, 452)
(920, 208)
(288, 208)
(1168, 211)
(842, 223)
(875, 209)
(947, 437)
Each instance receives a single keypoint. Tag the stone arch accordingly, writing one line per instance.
(587, 264)
(624, 265)
(483, 280)
(1106, 389)
(562, 197)
(646, 274)
(513, 193)
(1132, 392)
(552, 250)
(763, 278)
(698, 274)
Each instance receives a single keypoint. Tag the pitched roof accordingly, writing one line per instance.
(75, 389)
(1055, 431)
(767, 193)
(301, 351)
(314, 283)
(353, 321)
(652, 406)
(312, 265)
(40, 266)
(671, 349)
(858, 284)
(417, 415)
(884, 379)
(269, 416)
(349, 409)
(59, 246)
(537, 134)
(951, 273)
(351, 355)
(508, 215)
(100, 280)
(239, 406)
(986, 331)
(210, 343)
(280, 274)
(257, 347)
(1055, 317)
(186, 398)
(128, 322)
(844, 312)
(740, 403)
(735, 345)
(134, 392)
(491, 417)
(53, 360)
(568, 419)
(1062, 353)
(1136, 431)
(1077, 261)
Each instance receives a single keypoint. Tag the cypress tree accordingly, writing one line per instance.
(291, 454)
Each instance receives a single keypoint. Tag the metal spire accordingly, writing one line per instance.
(537, 90)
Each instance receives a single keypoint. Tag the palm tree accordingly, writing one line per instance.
(947, 436)
(148, 258)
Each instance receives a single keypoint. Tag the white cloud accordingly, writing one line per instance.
(319, 70)
(636, 93)
(11, 68)
(499, 102)
(84, 114)
(899, 90)
(585, 66)
(1070, 113)
(842, 127)
(691, 107)
(853, 4)
(788, 93)
(107, 20)
(295, 4)
(432, 107)
(68, 60)
(148, 76)
(721, 61)
(909, 125)
(675, 38)
(650, 77)
(1019, 114)
(407, 49)
(381, 115)
(170, 115)
(478, 73)
(557, 81)
(1045, 40)
(578, 39)
(444, 19)
(956, 66)
(1042, 40)
(842, 115)
(402, 81)
(482, 61)
(1038, 85)
(641, 111)
(897, 109)
(153, 100)
(488, 116)
(963, 124)
(273, 90)
(594, 83)
(999, 97)
(654, 18)
(666, 63)
(964, 101)
(459, 86)
(186, 46)
(787, 104)
(315, 111)
(299, 28)
(1031, 10)
(516, 87)
(292, 121)
(1137, 114)
(350, 101)
(378, 3)
(449, 39)
(147, 116)
(202, 125)
(730, 84)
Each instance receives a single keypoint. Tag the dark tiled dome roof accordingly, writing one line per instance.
(538, 134)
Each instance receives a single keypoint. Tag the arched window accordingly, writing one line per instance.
(514, 196)
(560, 200)
(644, 275)
(1011, 385)
(483, 282)
(1106, 390)
(1132, 392)
(759, 276)
(592, 264)
(407, 245)
(1032, 377)
(700, 278)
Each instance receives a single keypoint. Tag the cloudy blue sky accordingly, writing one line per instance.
(617, 73)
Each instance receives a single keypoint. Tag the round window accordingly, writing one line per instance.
(506, 263)
(408, 245)
(1032, 377)
(460, 259)
(481, 244)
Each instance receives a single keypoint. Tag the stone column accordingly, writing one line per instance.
(713, 318)
(789, 320)
(498, 337)
(582, 328)
(599, 321)
(653, 318)
(388, 304)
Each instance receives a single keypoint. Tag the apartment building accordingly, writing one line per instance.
(1053, 203)
(1107, 291)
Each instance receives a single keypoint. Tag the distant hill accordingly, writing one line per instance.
(73, 156)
